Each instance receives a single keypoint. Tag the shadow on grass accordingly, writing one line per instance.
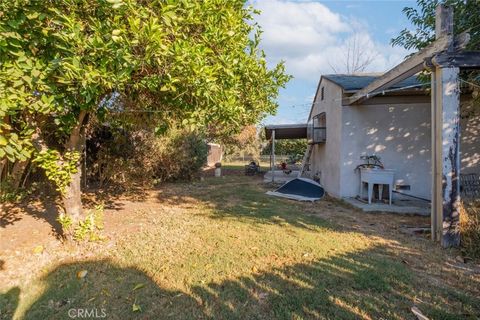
(349, 286)
(46, 209)
(44, 205)
(240, 199)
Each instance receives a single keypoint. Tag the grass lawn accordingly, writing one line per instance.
(222, 249)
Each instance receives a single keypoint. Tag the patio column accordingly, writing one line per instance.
(272, 156)
(446, 147)
(445, 142)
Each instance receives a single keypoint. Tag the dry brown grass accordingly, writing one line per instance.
(470, 227)
(220, 248)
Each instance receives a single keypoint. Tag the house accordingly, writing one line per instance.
(394, 125)
(426, 134)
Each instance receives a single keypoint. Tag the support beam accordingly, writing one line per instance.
(446, 156)
(444, 23)
(463, 60)
(407, 68)
(445, 140)
(436, 205)
(444, 42)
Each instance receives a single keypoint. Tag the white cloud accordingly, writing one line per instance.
(310, 37)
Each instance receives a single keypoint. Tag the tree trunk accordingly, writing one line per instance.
(72, 196)
(17, 173)
(3, 164)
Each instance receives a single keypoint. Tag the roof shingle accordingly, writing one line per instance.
(357, 82)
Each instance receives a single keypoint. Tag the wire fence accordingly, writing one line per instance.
(264, 159)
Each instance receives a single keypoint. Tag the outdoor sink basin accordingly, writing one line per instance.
(372, 176)
(377, 176)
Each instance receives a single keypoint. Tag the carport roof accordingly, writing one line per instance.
(287, 131)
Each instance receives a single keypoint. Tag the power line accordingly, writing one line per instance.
(311, 104)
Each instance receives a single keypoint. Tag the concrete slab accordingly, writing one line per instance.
(280, 176)
(401, 204)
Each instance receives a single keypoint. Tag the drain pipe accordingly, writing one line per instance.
(409, 195)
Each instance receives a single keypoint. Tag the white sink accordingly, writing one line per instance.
(378, 176)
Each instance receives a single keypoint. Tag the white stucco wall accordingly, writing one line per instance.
(398, 133)
(326, 156)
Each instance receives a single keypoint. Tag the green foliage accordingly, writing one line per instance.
(292, 147)
(466, 18)
(423, 18)
(9, 194)
(66, 222)
(88, 229)
(178, 155)
(189, 63)
(247, 142)
(141, 157)
(13, 146)
(58, 168)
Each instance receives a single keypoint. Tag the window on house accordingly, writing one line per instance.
(317, 129)
(322, 93)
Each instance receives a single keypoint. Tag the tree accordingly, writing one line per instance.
(247, 142)
(294, 148)
(357, 56)
(189, 64)
(466, 18)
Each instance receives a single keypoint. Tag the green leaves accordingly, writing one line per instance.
(14, 147)
(58, 168)
(185, 64)
(423, 18)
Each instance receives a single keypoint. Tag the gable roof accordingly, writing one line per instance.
(354, 82)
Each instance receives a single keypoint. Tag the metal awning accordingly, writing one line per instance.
(287, 131)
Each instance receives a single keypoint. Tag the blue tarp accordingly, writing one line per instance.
(300, 189)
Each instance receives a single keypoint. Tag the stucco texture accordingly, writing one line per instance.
(397, 130)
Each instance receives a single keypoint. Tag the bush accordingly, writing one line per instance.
(470, 228)
(180, 156)
(133, 158)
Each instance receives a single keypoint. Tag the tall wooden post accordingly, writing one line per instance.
(445, 142)
(436, 118)
(273, 155)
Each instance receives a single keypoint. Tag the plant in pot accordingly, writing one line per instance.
(370, 162)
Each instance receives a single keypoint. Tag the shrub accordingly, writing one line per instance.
(88, 229)
(180, 156)
(140, 157)
(470, 228)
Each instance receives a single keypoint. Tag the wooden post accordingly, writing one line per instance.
(445, 142)
(449, 99)
(436, 206)
(273, 155)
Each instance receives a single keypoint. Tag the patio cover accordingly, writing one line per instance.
(287, 131)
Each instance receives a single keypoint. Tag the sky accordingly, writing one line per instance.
(311, 37)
